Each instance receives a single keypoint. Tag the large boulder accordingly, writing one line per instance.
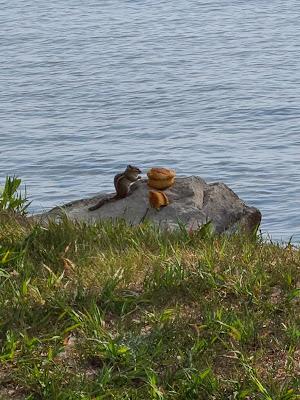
(193, 203)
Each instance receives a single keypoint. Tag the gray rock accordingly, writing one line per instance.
(193, 203)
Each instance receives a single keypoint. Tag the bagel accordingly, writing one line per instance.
(161, 173)
(158, 184)
(158, 199)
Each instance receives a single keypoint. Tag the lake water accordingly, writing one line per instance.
(208, 87)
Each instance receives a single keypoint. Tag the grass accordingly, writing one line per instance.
(119, 312)
(12, 200)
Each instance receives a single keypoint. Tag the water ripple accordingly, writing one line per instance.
(209, 88)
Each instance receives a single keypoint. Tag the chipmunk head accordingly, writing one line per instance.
(132, 169)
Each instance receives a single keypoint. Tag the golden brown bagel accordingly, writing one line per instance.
(161, 173)
(158, 199)
(158, 184)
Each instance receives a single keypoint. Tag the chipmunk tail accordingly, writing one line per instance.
(102, 202)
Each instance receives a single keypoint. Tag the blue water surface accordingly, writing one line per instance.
(206, 87)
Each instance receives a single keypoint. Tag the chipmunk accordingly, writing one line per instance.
(122, 184)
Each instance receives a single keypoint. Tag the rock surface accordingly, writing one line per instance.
(193, 202)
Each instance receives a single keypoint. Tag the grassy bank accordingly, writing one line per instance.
(113, 312)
